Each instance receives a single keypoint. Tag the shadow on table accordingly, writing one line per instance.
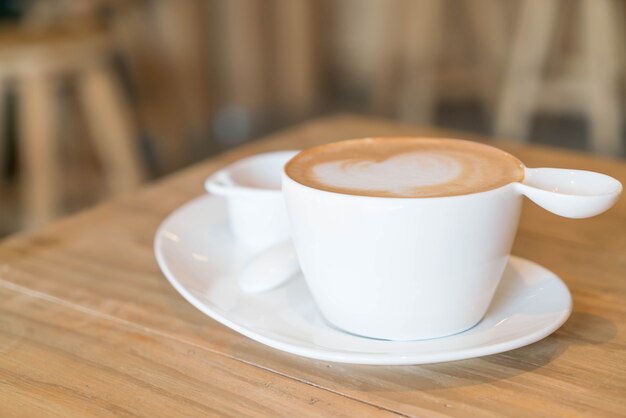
(584, 328)
(581, 329)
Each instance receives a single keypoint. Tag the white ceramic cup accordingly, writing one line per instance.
(256, 207)
(417, 268)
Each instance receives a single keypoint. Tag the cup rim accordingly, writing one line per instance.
(404, 198)
(391, 199)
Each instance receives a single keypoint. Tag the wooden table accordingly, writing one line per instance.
(89, 326)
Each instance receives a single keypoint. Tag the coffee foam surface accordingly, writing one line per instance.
(400, 174)
(405, 167)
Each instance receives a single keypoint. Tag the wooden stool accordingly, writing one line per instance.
(597, 93)
(36, 61)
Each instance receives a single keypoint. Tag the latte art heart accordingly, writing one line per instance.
(400, 174)
(404, 167)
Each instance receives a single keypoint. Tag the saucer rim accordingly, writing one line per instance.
(326, 354)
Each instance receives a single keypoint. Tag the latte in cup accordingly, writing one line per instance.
(405, 167)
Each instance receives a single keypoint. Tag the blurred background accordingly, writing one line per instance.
(99, 96)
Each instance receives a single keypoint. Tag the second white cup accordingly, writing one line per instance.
(256, 208)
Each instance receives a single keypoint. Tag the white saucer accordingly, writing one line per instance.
(200, 258)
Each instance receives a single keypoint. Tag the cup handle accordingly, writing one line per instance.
(218, 184)
(570, 193)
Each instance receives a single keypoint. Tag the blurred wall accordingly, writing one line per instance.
(200, 76)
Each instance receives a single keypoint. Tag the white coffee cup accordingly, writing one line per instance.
(256, 209)
(417, 268)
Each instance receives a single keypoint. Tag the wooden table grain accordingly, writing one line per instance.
(90, 327)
